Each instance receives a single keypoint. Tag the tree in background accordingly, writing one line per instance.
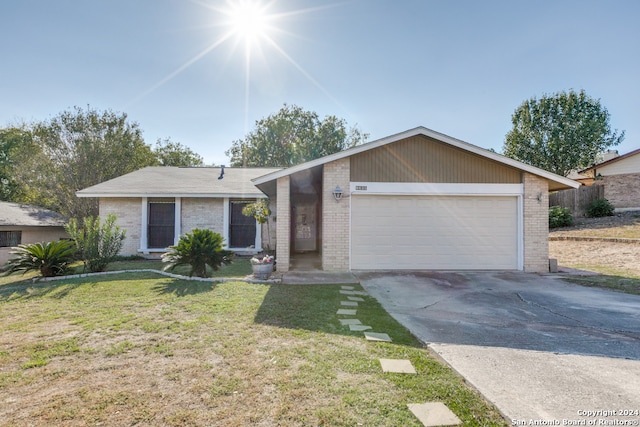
(293, 136)
(76, 149)
(169, 153)
(561, 132)
(45, 163)
(16, 145)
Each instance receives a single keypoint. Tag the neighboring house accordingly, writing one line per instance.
(158, 204)
(621, 178)
(418, 200)
(22, 224)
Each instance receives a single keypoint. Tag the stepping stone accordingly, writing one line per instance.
(359, 328)
(343, 292)
(434, 414)
(355, 299)
(399, 366)
(349, 303)
(376, 336)
(347, 312)
(348, 288)
(363, 293)
(345, 322)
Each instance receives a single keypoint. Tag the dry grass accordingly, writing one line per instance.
(618, 263)
(140, 349)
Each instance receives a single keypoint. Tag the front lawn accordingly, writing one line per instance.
(144, 349)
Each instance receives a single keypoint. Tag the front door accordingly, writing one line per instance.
(305, 229)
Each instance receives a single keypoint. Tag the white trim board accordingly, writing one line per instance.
(440, 189)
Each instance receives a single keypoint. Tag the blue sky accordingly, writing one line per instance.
(457, 67)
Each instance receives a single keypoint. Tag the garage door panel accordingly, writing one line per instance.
(434, 232)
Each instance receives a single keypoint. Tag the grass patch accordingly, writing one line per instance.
(177, 352)
(629, 285)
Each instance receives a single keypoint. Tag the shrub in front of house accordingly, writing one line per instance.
(98, 243)
(559, 217)
(198, 249)
(599, 208)
(49, 258)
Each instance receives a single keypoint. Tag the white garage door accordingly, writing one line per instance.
(434, 232)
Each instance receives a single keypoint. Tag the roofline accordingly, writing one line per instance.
(421, 130)
(608, 162)
(182, 195)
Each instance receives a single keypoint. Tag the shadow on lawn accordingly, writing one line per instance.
(183, 288)
(314, 308)
(35, 287)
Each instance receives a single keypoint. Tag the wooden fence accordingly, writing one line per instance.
(577, 200)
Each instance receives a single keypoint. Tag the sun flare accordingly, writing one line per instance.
(249, 20)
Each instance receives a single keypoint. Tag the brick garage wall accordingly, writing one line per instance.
(283, 223)
(205, 213)
(622, 191)
(129, 217)
(536, 224)
(335, 216)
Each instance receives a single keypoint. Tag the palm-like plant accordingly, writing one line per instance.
(49, 258)
(199, 249)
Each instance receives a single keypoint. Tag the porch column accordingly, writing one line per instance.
(283, 224)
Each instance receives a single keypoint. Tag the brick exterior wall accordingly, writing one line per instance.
(335, 216)
(283, 224)
(204, 213)
(622, 191)
(129, 217)
(536, 224)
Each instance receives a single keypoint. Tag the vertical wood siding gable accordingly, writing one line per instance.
(422, 159)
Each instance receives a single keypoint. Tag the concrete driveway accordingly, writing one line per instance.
(536, 346)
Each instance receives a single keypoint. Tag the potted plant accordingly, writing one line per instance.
(262, 267)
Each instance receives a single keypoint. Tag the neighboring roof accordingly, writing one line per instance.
(170, 181)
(15, 214)
(611, 161)
(559, 182)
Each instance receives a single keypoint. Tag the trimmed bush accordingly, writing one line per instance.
(199, 249)
(49, 258)
(559, 217)
(599, 208)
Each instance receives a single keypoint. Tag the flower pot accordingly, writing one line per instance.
(262, 271)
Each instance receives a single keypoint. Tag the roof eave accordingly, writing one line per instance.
(568, 183)
(182, 195)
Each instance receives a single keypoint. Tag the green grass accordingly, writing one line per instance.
(621, 282)
(143, 348)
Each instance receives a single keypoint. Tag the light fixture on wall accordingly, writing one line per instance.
(337, 193)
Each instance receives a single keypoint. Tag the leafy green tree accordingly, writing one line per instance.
(560, 132)
(198, 249)
(98, 243)
(49, 258)
(169, 153)
(77, 149)
(293, 136)
(16, 145)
